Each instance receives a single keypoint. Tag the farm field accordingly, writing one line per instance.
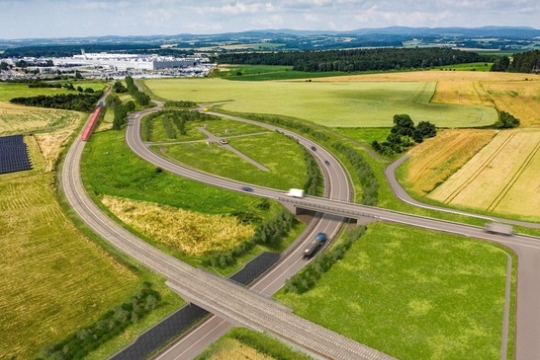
(501, 178)
(436, 159)
(515, 93)
(17, 119)
(414, 294)
(8, 90)
(334, 104)
(53, 279)
(268, 149)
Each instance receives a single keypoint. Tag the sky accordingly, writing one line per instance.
(20, 19)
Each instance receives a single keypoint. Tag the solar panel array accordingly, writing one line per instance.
(13, 154)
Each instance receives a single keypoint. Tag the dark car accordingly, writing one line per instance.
(247, 188)
(313, 148)
(326, 162)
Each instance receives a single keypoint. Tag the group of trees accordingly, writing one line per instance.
(77, 102)
(178, 117)
(313, 180)
(526, 62)
(357, 59)
(404, 134)
(368, 180)
(506, 121)
(80, 344)
(140, 97)
(269, 233)
(308, 277)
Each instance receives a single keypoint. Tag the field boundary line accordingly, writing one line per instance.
(478, 171)
(514, 178)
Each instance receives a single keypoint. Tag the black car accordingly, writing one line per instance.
(326, 162)
(247, 188)
(313, 148)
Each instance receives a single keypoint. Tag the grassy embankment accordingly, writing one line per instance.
(111, 169)
(414, 294)
(241, 343)
(54, 278)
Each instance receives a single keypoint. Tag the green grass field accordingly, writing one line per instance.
(414, 294)
(334, 104)
(281, 155)
(269, 72)
(9, 90)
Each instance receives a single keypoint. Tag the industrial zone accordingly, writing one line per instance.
(107, 65)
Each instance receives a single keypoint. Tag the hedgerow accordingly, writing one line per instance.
(308, 277)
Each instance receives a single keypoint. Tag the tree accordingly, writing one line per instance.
(501, 64)
(506, 121)
(403, 125)
(78, 75)
(426, 129)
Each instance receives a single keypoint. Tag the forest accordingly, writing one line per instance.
(357, 59)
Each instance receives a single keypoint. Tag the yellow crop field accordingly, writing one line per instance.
(436, 159)
(180, 230)
(16, 119)
(501, 178)
(53, 279)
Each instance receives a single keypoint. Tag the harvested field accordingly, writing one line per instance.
(50, 145)
(188, 232)
(16, 119)
(501, 178)
(436, 159)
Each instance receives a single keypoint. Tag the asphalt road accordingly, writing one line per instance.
(253, 307)
(527, 248)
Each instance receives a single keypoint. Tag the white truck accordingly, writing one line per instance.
(498, 228)
(298, 193)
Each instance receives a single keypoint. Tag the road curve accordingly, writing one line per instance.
(209, 291)
(527, 248)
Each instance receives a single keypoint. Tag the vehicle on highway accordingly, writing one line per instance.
(326, 162)
(299, 193)
(313, 148)
(312, 248)
(247, 188)
(498, 228)
(223, 141)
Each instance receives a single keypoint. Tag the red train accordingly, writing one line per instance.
(92, 123)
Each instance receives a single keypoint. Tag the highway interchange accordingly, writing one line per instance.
(257, 312)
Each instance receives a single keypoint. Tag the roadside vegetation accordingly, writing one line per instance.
(109, 168)
(240, 343)
(414, 294)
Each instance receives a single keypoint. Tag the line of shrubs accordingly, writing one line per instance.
(178, 117)
(140, 97)
(180, 104)
(308, 277)
(314, 178)
(370, 185)
(79, 344)
(269, 233)
(166, 121)
(291, 124)
(77, 102)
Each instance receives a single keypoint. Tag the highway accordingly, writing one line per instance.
(252, 310)
(232, 302)
(527, 248)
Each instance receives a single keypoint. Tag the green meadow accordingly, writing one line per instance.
(334, 104)
(283, 158)
(415, 294)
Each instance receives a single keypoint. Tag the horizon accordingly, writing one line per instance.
(46, 19)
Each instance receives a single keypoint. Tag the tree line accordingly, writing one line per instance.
(78, 345)
(77, 102)
(310, 275)
(357, 59)
(526, 62)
